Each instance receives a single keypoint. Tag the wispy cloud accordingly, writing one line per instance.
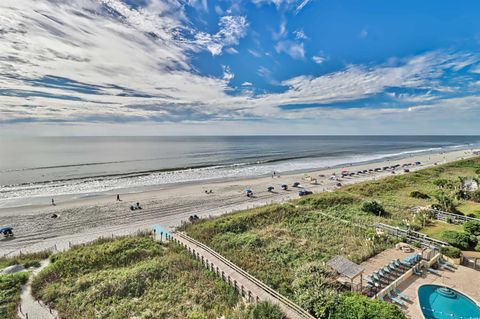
(103, 61)
(293, 49)
(318, 59)
(232, 29)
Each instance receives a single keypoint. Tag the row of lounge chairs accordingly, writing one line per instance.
(390, 272)
(397, 297)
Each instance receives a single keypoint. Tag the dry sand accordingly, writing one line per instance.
(83, 220)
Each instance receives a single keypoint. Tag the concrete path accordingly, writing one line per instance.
(249, 286)
(31, 308)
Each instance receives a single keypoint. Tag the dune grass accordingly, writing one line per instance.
(26, 260)
(10, 289)
(137, 277)
(11, 284)
(276, 242)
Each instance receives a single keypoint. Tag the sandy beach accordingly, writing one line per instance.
(84, 220)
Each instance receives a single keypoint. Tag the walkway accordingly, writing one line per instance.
(31, 308)
(247, 285)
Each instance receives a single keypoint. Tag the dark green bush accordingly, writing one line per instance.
(418, 194)
(475, 196)
(356, 306)
(472, 227)
(456, 239)
(373, 207)
(451, 252)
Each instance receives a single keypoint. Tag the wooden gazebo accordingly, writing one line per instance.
(347, 269)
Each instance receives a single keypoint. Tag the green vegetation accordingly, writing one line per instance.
(10, 289)
(418, 194)
(287, 245)
(373, 207)
(137, 277)
(472, 227)
(457, 239)
(26, 260)
(452, 252)
(11, 284)
(355, 306)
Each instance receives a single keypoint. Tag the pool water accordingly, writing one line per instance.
(438, 302)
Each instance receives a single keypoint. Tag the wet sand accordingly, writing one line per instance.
(86, 219)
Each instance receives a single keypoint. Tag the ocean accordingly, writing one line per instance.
(33, 170)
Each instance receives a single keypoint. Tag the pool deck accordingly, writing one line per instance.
(385, 257)
(463, 279)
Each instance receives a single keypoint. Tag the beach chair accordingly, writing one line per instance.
(395, 300)
(396, 268)
(417, 272)
(402, 296)
(433, 271)
(446, 264)
(383, 274)
(399, 264)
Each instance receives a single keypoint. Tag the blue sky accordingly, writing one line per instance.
(151, 67)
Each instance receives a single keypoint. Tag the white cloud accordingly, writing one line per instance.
(254, 53)
(231, 50)
(318, 59)
(293, 49)
(300, 35)
(232, 29)
(227, 74)
(247, 84)
(301, 6)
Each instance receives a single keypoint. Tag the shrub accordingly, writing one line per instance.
(445, 183)
(477, 248)
(472, 227)
(418, 194)
(475, 196)
(265, 310)
(451, 252)
(315, 288)
(373, 207)
(356, 306)
(456, 239)
(445, 202)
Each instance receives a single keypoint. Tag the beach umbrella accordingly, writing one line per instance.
(270, 188)
(248, 191)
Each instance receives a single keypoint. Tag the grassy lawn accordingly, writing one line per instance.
(469, 207)
(137, 277)
(438, 227)
(286, 245)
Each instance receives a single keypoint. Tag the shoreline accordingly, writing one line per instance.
(85, 219)
(65, 199)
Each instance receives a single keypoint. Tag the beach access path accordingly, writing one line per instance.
(87, 219)
(247, 285)
(29, 307)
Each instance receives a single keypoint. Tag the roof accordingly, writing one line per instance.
(345, 267)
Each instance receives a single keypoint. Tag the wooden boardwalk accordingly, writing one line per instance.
(247, 285)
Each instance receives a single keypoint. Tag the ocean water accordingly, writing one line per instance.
(32, 170)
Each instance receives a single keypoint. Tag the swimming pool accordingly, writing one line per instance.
(439, 302)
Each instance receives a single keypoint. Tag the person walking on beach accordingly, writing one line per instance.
(118, 197)
(53, 202)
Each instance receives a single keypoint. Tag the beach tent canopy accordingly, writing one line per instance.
(346, 268)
